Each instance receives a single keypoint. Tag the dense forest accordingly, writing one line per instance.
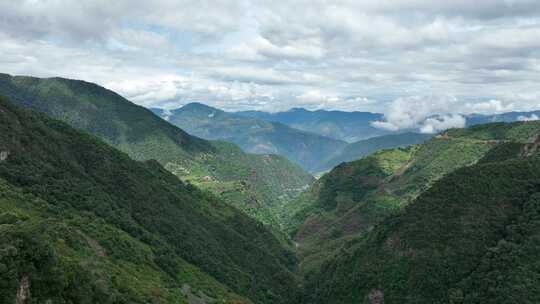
(90, 212)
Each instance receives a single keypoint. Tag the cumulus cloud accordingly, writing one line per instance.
(528, 118)
(261, 54)
(422, 113)
(409, 112)
(443, 122)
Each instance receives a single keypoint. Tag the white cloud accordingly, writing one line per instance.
(423, 113)
(491, 106)
(350, 55)
(528, 118)
(440, 123)
(410, 112)
(385, 125)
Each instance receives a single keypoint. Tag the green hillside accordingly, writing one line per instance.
(81, 222)
(473, 237)
(252, 183)
(354, 196)
(255, 135)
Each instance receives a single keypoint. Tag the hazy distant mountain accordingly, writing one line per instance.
(347, 126)
(364, 147)
(254, 135)
(476, 119)
(355, 126)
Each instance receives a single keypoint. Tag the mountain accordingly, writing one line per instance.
(254, 135)
(475, 119)
(81, 222)
(355, 126)
(347, 126)
(354, 197)
(364, 147)
(472, 237)
(253, 183)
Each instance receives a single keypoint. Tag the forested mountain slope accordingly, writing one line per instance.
(253, 183)
(472, 237)
(354, 196)
(81, 222)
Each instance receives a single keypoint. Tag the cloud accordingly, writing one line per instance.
(422, 113)
(440, 123)
(409, 112)
(491, 106)
(528, 118)
(259, 54)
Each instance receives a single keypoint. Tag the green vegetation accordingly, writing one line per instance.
(355, 196)
(85, 223)
(455, 219)
(473, 237)
(253, 183)
(77, 257)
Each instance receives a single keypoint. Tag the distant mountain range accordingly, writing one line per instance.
(475, 119)
(355, 126)
(254, 135)
(346, 126)
(314, 140)
(314, 152)
(361, 148)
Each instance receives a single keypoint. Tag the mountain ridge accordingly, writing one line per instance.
(82, 221)
(253, 135)
(250, 182)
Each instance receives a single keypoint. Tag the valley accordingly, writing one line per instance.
(104, 201)
(269, 152)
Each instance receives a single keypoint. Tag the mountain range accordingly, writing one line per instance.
(458, 227)
(384, 224)
(254, 135)
(253, 183)
(81, 222)
(311, 139)
(346, 126)
(102, 201)
(356, 126)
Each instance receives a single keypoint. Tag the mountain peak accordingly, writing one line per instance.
(198, 106)
(298, 109)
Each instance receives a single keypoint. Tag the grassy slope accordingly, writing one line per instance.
(473, 237)
(246, 181)
(356, 195)
(137, 211)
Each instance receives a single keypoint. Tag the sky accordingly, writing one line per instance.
(408, 59)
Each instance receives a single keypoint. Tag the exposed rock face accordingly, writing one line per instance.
(4, 155)
(23, 292)
(193, 298)
(531, 147)
(375, 296)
